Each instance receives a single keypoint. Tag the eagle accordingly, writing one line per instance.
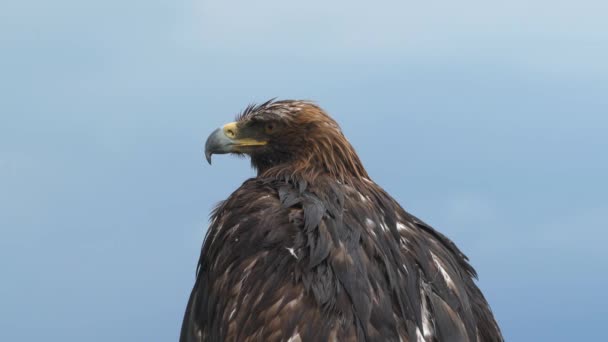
(311, 249)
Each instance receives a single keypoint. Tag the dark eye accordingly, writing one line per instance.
(269, 128)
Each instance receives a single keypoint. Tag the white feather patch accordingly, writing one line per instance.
(419, 337)
(402, 227)
(384, 226)
(443, 272)
(363, 198)
(295, 338)
(292, 252)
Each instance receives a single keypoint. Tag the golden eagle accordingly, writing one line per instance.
(313, 250)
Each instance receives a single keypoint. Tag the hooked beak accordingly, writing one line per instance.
(227, 140)
(217, 143)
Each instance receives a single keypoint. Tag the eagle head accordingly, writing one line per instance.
(290, 138)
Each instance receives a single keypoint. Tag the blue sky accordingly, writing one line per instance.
(488, 120)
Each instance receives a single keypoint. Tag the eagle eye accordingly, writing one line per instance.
(269, 128)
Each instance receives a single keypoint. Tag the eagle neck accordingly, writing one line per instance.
(314, 166)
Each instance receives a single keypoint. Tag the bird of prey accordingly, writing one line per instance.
(311, 249)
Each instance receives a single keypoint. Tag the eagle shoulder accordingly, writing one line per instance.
(431, 280)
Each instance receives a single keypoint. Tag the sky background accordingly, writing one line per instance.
(486, 119)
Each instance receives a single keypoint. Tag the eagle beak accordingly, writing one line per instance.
(217, 143)
(226, 140)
